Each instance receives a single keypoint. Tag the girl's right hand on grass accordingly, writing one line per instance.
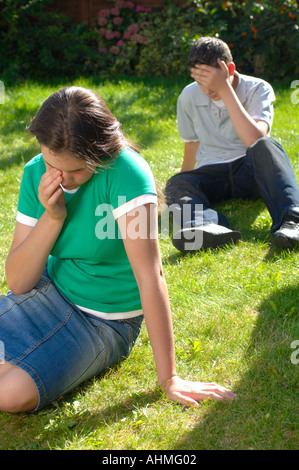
(189, 393)
(51, 194)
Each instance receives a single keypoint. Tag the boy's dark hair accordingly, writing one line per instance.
(207, 50)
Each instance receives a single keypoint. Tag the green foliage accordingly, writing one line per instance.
(147, 41)
(170, 37)
(263, 36)
(37, 42)
(122, 33)
(131, 39)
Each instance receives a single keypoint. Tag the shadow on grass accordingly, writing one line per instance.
(264, 415)
(88, 423)
(54, 425)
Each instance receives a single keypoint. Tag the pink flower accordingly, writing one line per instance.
(120, 43)
(129, 5)
(105, 12)
(142, 8)
(117, 20)
(102, 31)
(127, 35)
(102, 50)
(114, 50)
(133, 28)
(102, 21)
(114, 11)
(109, 35)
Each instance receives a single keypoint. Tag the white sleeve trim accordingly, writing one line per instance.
(133, 203)
(25, 219)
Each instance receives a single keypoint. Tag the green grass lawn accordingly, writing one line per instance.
(235, 310)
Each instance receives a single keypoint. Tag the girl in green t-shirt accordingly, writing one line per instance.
(84, 267)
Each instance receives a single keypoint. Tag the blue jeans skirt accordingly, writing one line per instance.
(57, 344)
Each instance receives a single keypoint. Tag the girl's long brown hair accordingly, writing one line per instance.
(76, 121)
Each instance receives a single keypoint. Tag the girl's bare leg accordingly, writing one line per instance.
(18, 392)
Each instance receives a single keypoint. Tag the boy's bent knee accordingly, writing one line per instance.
(264, 143)
(179, 180)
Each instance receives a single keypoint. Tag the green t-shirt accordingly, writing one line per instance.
(88, 262)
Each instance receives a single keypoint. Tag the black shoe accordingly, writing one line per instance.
(203, 237)
(287, 236)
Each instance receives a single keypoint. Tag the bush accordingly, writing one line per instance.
(145, 41)
(131, 39)
(37, 42)
(170, 35)
(263, 36)
(122, 33)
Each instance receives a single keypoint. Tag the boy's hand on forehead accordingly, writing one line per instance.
(211, 78)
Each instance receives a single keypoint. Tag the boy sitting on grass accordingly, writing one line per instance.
(225, 118)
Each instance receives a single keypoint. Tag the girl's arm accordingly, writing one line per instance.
(31, 246)
(144, 255)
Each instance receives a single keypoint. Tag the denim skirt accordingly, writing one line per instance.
(57, 344)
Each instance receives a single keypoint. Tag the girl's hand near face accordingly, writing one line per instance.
(32, 245)
(51, 194)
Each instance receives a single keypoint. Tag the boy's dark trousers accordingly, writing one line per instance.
(265, 171)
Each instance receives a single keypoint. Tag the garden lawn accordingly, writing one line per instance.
(235, 310)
